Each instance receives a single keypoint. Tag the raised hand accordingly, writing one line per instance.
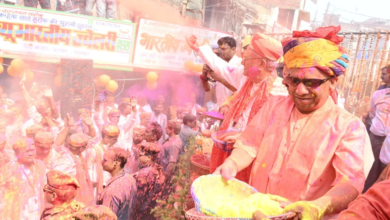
(46, 91)
(191, 41)
(69, 121)
(87, 119)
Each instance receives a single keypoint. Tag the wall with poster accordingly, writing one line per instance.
(42, 33)
(163, 46)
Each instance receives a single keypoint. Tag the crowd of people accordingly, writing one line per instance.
(292, 140)
(121, 156)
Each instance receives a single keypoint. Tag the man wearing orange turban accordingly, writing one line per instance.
(304, 147)
(258, 64)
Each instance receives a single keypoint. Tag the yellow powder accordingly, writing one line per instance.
(246, 207)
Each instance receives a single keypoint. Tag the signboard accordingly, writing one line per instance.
(163, 46)
(52, 34)
(288, 4)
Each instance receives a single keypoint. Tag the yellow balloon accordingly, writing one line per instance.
(112, 86)
(151, 85)
(103, 80)
(1, 60)
(152, 76)
(18, 65)
(58, 80)
(189, 65)
(1, 69)
(198, 68)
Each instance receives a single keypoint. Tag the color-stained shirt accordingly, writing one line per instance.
(56, 161)
(384, 155)
(301, 157)
(150, 181)
(120, 195)
(380, 112)
(172, 148)
(23, 189)
(374, 204)
(185, 134)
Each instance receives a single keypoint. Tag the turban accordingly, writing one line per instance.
(79, 140)
(316, 49)
(140, 130)
(125, 101)
(267, 47)
(114, 112)
(60, 180)
(111, 130)
(33, 129)
(44, 137)
(84, 110)
(247, 41)
(22, 143)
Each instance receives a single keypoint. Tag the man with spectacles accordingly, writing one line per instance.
(304, 147)
(258, 66)
(110, 135)
(22, 182)
(53, 161)
(60, 193)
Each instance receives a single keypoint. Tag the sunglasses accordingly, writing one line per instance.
(308, 83)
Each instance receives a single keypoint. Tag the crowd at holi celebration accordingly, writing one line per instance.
(286, 136)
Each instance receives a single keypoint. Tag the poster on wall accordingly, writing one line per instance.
(51, 34)
(163, 46)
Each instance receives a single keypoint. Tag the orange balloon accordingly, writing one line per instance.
(11, 71)
(18, 65)
(1, 60)
(103, 80)
(189, 65)
(112, 86)
(58, 80)
(198, 68)
(152, 76)
(151, 85)
(1, 69)
(29, 75)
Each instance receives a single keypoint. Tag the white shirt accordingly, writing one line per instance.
(380, 112)
(211, 106)
(232, 71)
(147, 108)
(126, 126)
(384, 155)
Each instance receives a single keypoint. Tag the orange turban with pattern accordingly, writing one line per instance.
(267, 47)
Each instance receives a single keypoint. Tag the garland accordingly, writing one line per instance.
(173, 208)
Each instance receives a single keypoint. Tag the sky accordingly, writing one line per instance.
(350, 9)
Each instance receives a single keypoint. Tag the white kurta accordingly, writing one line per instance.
(231, 71)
